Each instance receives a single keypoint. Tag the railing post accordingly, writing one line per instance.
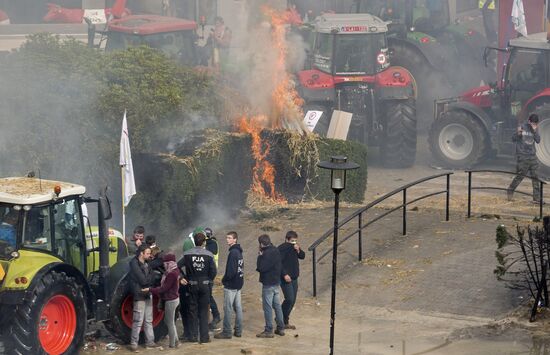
(314, 257)
(404, 211)
(448, 197)
(360, 236)
(541, 201)
(469, 193)
(314, 272)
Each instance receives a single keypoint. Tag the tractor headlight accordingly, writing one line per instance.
(14, 254)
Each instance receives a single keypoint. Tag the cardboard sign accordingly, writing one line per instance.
(339, 125)
(311, 118)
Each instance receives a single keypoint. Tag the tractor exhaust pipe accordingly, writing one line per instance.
(104, 214)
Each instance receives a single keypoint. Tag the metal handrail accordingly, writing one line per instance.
(470, 187)
(359, 214)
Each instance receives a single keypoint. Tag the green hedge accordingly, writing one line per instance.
(214, 170)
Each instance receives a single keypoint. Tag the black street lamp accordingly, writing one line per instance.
(338, 165)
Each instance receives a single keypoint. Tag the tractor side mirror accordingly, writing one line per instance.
(105, 204)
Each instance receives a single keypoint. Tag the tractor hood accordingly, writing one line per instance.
(480, 96)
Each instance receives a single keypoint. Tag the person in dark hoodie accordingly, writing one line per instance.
(232, 281)
(168, 292)
(269, 267)
(141, 278)
(290, 253)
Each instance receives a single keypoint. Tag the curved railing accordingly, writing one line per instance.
(361, 225)
(470, 187)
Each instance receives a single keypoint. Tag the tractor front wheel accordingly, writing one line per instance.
(458, 140)
(53, 320)
(543, 148)
(398, 149)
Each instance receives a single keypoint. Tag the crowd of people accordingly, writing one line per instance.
(189, 281)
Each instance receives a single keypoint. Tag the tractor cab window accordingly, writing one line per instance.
(430, 15)
(37, 233)
(178, 45)
(527, 72)
(357, 54)
(322, 55)
(68, 231)
(9, 226)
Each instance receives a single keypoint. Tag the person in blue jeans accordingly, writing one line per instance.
(290, 254)
(268, 265)
(232, 281)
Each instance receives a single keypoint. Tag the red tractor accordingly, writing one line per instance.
(480, 122)
(349, 70)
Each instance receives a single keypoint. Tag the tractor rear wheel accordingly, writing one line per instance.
(53, 320)
(543, 148)
(398, 148)
(120, 322)
(457, 140)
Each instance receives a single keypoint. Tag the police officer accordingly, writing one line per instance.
(527, 163)
(199, 269)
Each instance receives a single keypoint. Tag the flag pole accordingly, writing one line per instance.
(123, 207)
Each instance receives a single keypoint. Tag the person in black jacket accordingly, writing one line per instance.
(269, 267)
(212, 246)
(141, 279)
(290, 253)
(199, 270)
(232, 281)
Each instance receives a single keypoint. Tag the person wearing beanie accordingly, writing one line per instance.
(168, 292)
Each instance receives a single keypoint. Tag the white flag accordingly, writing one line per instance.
(518, 17)
(129, 188)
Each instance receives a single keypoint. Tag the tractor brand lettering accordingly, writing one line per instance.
(482, 93)
(354, 79)
(354, 29)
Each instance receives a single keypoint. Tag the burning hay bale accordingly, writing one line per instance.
(217, 169)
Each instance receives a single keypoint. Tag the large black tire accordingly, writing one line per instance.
(398, 149)
(543, 148)
(431, 84)
(458, 140)
(34, 319)
(121, 310)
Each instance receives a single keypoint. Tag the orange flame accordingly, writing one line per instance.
(286, 110)
(286, 103)
(263, 171)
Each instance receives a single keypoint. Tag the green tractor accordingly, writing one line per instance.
(425, 34)
(57, 273)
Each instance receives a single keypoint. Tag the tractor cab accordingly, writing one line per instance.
(42, 217)
(175, 37)
(527, 71)
(347, 45)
